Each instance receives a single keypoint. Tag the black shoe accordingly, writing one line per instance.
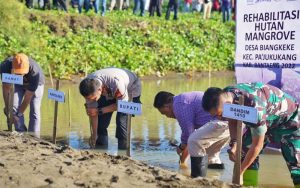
(102, 141)
(199, 166)
(122, 144)
(216, 166)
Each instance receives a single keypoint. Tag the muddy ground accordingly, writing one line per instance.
(26, 161)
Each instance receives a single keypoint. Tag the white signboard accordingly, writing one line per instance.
(239, 112)
(268, 43)
(12, 79)
(56, 95)
(129, 107)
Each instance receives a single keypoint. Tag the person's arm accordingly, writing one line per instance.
(113, 107)
(94, 124)
(184, 155)
(185, 117)
(119, 94)
(110, 108)
(5, 93)
(182, 151)
(5, 67)
(258, 137)
(92, 112)
(232, 124)
(181, 148)
(253, 152)
(26, 101)
(33, 80)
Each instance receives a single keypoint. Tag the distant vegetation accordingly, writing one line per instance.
(70, 43)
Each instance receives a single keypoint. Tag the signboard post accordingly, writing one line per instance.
(268, 43)
(11, 79)
(240, 113)
(10, 117)
(57, 96)
(69, 107)
(129, 132)
(129, 108)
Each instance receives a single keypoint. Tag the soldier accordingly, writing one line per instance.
(278, 122)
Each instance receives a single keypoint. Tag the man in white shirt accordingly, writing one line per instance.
(101, 90)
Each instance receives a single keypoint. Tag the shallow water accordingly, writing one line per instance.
(151, 132)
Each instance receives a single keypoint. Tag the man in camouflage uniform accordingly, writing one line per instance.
(278, 122)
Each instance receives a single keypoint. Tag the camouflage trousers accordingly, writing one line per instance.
(289, 140)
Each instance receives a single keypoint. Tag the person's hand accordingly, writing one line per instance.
(92, 111)
(6, 112)
(16, 119)
(92, 141)
(232, 152)
(178, 150)
(183, 165)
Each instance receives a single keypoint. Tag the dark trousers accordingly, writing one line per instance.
(288, 137)
(29, 3)
(121, 119)
(60, 3)
(155, 5)
(226, 13)
(139, 4)
(46, 5)
(172, 4)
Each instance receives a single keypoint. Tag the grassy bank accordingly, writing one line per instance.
(70, 42)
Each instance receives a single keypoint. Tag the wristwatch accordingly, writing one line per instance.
(180, 147)
(232, 142)
(100, 112)
(19, 114)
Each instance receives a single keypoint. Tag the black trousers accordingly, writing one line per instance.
(155, 5)
(61, 3)
(172, 4)
(46, 5)
(121, 119)
(29, 3)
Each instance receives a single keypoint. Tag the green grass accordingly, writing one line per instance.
(70, 43)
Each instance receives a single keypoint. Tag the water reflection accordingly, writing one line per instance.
(151, 132)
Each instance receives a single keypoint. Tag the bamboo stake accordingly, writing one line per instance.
(237, 165)
(86, 68)
(129, 130)
(51, 78)
(10, 119)
(209, 74)
(69, 106)
(55, 115)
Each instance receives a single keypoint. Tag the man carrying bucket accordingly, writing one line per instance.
(101, 90)
(202, 135)
(28, 94)
(278, 122)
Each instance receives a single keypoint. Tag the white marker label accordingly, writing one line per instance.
(12, 79)
(129, 107)
(56, 95)
(239, 112)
